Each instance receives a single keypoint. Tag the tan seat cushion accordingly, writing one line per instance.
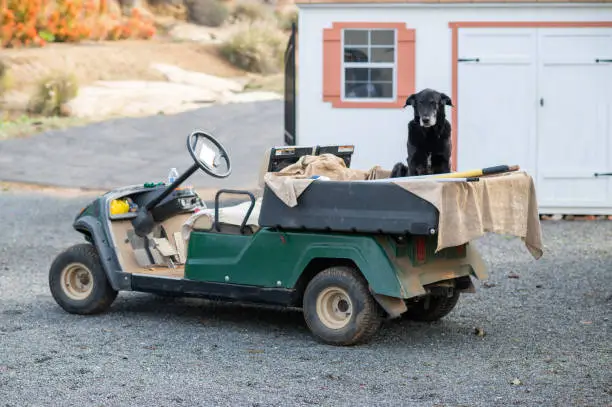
(203, 221)
(229, 215)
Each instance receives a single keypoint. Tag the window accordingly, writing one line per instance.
(368, 65)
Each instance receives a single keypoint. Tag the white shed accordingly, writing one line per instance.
(531, 83)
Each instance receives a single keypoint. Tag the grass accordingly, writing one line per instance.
(271, 83)
(25, 126)
(244, 11)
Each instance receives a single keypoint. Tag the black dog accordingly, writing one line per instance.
(429, 136)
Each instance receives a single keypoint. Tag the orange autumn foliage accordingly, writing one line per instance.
(36, 22)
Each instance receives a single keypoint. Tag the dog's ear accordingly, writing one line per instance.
(410, 101)
(446, 100)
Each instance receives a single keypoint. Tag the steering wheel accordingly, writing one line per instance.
(208, 159)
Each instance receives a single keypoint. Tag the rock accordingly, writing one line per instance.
(213, 83)
(479, 332)
(138, 98)
(65, 110)
(140, 5)
(193, 32)
(114, 6)
(185, 90)
(255, 96)
(163, 2)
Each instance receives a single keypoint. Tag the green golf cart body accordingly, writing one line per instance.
(346, 275)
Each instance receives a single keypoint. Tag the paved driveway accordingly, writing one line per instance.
(135, 150)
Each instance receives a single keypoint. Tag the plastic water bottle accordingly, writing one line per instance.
(172, 175)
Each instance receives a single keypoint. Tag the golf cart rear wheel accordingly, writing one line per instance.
(339, 309)
(78, 282)
(432, 308)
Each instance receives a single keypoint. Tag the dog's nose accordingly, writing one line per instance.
(426, 120)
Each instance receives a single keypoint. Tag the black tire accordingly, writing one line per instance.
(365, 313)
(433, 308)
(85, 260)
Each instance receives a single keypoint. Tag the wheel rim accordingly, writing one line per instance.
(334, 307)
(77, 281)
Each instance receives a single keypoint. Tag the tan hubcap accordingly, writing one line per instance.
(77, 281)
(334, 307)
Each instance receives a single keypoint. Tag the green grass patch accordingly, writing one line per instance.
(25, 126)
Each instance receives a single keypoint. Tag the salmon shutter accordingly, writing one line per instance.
(332, 64)
(405, 64)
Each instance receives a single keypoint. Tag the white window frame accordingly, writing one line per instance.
(368, 64)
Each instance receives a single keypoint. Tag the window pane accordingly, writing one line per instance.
(368, 90)
(381, 74)
(355, 37)
(356, 74)
(383, 54)
(360, 90)
(384, 90)
(383, 37)
(355, 55)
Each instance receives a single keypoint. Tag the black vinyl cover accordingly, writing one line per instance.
(349, 206)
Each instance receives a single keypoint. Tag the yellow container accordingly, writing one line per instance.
(119, 206)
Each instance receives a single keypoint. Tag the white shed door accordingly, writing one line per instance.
(497, 98)
(540, 98)
(574, 118)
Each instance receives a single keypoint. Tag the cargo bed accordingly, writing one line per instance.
(351, 206)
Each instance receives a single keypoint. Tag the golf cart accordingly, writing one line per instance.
(349, 252)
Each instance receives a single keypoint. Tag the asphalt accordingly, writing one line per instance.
(546, 335)
(130, 151)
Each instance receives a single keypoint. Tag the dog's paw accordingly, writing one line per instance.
(443, 168)
(399, 170)
(421, 170)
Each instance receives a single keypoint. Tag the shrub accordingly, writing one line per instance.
(65, 22)
(36, 22)
(52, 93)
(285, 19)
(250, 12)
(19, 21)
(135, 26)
(256, 47)
(210, 13)
(5, 78)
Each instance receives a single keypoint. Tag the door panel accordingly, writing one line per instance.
(540, 98)
(574, 120)
(496, 98)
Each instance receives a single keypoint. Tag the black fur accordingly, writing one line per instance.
(429, 144)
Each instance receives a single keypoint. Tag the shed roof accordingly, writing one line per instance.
(445, 1)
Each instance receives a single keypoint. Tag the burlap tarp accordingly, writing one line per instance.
(289, 183)
(503, 204)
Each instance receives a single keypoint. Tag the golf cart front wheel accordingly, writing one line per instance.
(78, 283)
(339, 309)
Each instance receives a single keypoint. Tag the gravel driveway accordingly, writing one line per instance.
(549, 329)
